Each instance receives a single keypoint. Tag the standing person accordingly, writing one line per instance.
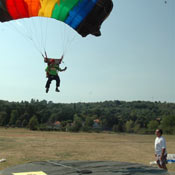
(52, 74)
(160, 149)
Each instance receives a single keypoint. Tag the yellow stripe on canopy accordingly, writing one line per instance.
(47, 7)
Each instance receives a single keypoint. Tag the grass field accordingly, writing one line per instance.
(19, 146)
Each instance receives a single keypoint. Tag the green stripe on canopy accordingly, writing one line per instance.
(61, 11)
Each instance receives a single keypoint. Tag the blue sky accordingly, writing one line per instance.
(134, 59)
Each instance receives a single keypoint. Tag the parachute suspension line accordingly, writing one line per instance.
(63, 37)
(46, 32)
(11, 24)
(62, 33)
(41, 33)
(35, 34)
(30, 32)
(37, 31)
(27, 32)
(32, 28)
(68, 46)
(42, 24)
(27, 28)
(13, 27)
(67, 39)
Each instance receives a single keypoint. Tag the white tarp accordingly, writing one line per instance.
(170, 159)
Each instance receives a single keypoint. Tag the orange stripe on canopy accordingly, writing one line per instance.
(33, 7)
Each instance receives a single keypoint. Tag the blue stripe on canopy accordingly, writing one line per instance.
(79, 12)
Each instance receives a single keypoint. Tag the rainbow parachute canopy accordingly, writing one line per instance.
(84, 16)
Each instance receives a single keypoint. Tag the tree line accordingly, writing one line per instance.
(141, 117)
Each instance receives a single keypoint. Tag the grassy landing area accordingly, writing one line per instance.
(20, 146)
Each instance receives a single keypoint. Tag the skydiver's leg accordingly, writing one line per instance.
(57, 78)
(48, 82)
(50, 78)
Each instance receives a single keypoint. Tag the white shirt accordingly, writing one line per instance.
(159, 145)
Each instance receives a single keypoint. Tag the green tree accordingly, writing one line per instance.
(65, 125)
(77, 124)
(118, 127)
(24, 119)
(129, 126)
(53, 118)
(153, 125)
(24, 123)
(115, 128)
(13, 117)
(168, 124)
(3, 116)
(89, 122)
(18, 123)
(136, 128)
(33, 123)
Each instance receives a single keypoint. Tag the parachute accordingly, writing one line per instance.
(84, 16)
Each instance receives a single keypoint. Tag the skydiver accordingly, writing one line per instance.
(52, 72)
(48, 61)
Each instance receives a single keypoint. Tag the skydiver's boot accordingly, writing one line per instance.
(47, 90)
(57, 90)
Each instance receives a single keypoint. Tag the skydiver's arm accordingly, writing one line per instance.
(61, 70)
(64, 68)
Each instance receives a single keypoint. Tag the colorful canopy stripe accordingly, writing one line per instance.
(85, 16)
